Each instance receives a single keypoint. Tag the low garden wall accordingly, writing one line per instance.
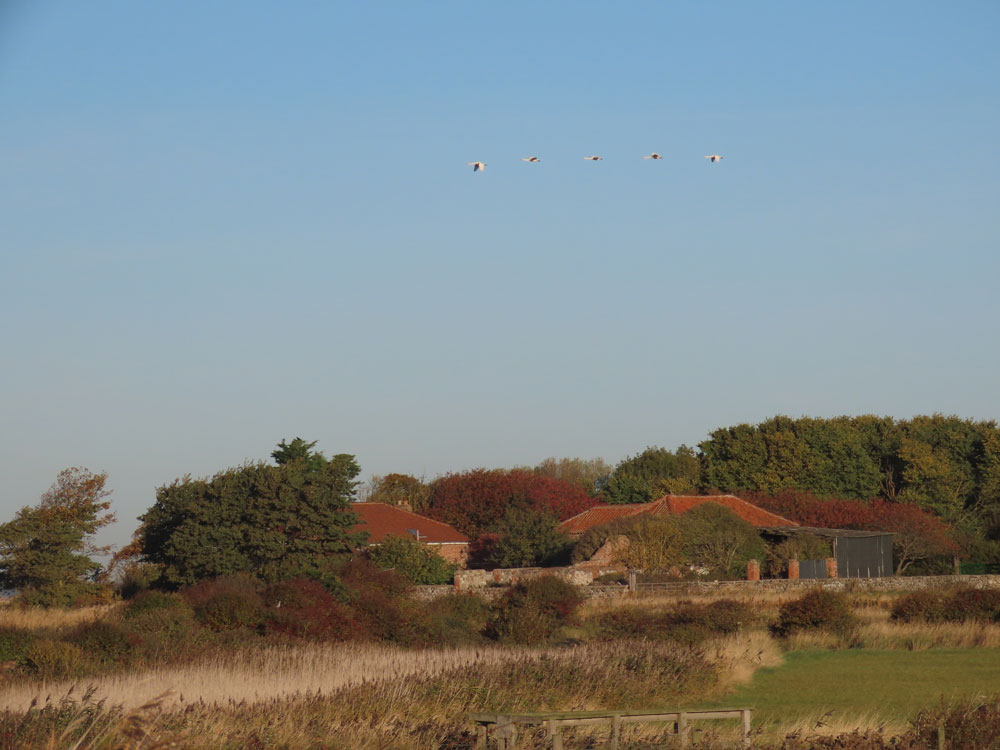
(780, 585)
(490, 586)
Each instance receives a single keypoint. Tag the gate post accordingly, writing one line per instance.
(753, 570)
(793, 569)
(831, 567)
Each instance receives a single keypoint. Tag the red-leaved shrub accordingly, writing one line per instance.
(301, 608)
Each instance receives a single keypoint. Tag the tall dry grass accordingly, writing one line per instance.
(40, 618)
(378, 697)
(264, 674)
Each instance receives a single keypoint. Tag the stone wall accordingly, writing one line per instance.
(489, 587)
(474, 580)
(781, 585)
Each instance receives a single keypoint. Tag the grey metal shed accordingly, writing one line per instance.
(859, 554)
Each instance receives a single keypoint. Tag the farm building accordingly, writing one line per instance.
(859, 554)
(381, 521)
(671, 505)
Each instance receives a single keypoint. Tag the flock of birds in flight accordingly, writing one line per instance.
(479, 166)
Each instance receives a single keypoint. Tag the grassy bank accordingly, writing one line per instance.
(844, 689)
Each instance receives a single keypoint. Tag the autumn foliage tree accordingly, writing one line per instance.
(399, 489)
(919, 534)
(45, 551)
(476, 502)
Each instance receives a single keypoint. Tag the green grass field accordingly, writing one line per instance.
(887, 685)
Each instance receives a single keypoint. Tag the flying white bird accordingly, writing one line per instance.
(532, 159)
(653, 155)
(477, 166)
(714, 158)
(594, 158)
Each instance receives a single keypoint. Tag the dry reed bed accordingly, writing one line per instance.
(378, 697)
(265, 673)
(39, 618)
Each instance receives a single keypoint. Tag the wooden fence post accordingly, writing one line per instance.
(633, 581)
(941, 737)
(745, 720)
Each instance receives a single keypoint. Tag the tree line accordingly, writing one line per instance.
(932, 480)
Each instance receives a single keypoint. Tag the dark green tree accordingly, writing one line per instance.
(652, 474)
(528, 538)
(298, 450)
(275, 522)
(45, 551)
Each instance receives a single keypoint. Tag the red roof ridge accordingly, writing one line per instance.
(391, 520)
(673, 505)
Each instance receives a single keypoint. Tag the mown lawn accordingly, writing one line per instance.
(889, 685)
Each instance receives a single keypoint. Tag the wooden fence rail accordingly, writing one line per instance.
(505, 726)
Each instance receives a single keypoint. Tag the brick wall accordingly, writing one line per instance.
(453, 553)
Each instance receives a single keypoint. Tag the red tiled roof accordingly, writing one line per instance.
(381, 520)
(672, 505)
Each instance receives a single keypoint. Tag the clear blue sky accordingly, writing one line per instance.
(227, 223)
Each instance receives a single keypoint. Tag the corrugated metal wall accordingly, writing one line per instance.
(863, 556)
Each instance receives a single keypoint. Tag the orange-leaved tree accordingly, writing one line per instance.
(45, 550)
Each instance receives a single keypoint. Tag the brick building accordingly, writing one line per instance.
(381, 521)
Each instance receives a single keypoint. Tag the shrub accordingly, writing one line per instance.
(970, 723)
(816, 610)
(633, 622)
(136, 578)
(360, 577)
(14, 644)
(716, 538)
(689, 623)
(418, 562)
(654, 542)
(231, 610)
(226, 602)
(162, 622)
(532, 611)
(378, 600)
(455, 619)
(925, 605)
(982, 605)
(152, 601)
(54, 659)
(105, 643)
(301, 608)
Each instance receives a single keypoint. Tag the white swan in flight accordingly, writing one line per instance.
(653, 155)
(594, 158)
(532, 159)
(477, 166)
(714, 158)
